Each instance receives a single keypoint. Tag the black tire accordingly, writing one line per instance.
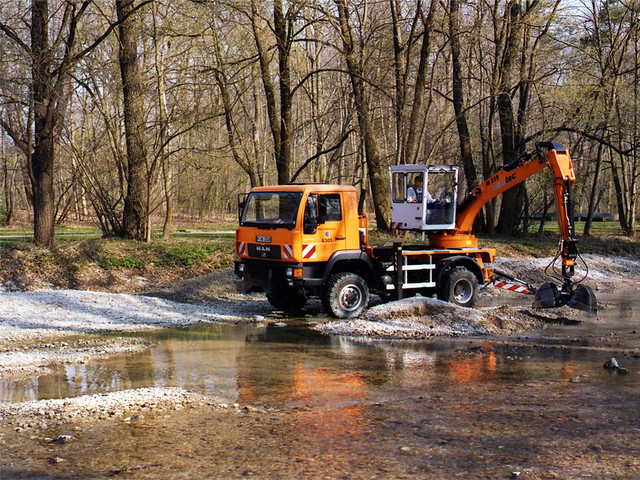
(286, 300)
(346, 295)
(459, 286)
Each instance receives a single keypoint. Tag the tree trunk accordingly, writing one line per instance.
(42, 157)
(283, 28)
(136, 202)
(280, 121)
(8, 186)
(594, 192)
(511, 201)
(418, 110)
(400, 68)
(372, 155)
(221, 79)
(458, 98)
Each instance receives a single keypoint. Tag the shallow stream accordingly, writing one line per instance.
(267, 364)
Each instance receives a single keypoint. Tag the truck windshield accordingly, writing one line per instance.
(271, 209)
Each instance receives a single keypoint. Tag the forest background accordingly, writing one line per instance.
(132, 114)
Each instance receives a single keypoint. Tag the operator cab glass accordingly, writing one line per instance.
(271, 209)
(424, 197)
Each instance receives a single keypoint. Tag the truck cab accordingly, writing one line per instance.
(292, 237)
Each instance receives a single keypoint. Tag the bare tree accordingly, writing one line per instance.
(372, 154)
(136, 203)
(49, 94)
(517, 72)
(280, 119)
(458, 96)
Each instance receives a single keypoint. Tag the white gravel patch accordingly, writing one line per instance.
(612, 268)
(25, 358)
(41, 328)
(99, 312)
(107, 405)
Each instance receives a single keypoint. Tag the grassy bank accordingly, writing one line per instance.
(111, 264)
(82, 260)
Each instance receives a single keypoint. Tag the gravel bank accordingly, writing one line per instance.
(115, 404)
(420, 317)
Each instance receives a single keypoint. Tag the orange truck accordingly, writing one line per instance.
(302, 241)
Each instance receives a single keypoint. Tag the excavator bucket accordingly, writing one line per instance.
(545, 296)
(584, 299)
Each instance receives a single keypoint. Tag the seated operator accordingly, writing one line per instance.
(414, 192)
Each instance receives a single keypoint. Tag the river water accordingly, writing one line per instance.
(536, 405)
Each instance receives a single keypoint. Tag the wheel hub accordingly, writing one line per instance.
(462, 291)
(350, 298)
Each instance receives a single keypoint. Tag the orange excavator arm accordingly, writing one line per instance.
(557, 159)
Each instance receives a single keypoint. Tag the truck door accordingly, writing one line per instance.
(408, 208)
(330, 233)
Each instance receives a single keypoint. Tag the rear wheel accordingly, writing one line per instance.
(459, 286)
(346, 295)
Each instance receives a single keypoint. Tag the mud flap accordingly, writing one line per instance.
(545, 296)
(584, 299)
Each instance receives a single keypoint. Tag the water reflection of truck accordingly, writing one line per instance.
(310, 240)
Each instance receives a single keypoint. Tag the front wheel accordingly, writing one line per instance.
(346, 295)
(459, 286)
(287, 300)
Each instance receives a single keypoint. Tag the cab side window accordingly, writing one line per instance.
(398, 187)
(329, 207)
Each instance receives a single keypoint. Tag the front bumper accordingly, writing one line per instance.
(261, 276)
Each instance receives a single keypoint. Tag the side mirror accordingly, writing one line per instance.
(242, 202)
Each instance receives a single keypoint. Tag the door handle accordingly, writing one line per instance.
(341, 238)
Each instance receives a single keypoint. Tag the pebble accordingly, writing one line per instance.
(612, 365)
(62, 439)
(55, 460)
